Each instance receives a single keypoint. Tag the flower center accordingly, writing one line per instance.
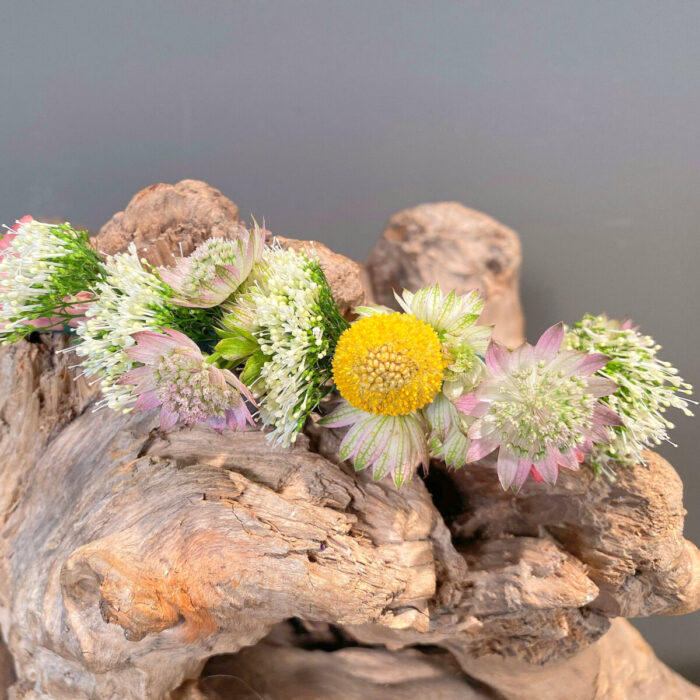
(186, 386)
(205, 259)
(546, 408)
(389, 364)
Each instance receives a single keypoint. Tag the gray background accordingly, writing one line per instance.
(576, 123)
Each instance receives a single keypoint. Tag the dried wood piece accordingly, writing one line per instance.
(458, 248)
(128, 558)
(628, 533)
(7, 671)
(520, 596)
(620, 666)
(127, 548)
(356, 673)
(164, 221)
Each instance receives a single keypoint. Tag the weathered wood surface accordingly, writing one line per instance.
(461, 248)
(128, 558)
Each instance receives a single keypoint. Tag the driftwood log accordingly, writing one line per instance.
(136, 564)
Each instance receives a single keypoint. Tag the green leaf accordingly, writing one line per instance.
(253, 367)
(234, 349)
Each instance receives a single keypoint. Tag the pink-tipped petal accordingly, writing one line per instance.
(550, 341)
(479, 448)
(147, 401)
(599, 433)
(548, 467)
(142, 379)
(24, 220)
(591, 363)
(507, 467)
(570, 460)
(171, 277)
(44, 322)
(601, 386)
(150, 346)
(342, 416)
(467, 403)
(182, 339)
(497, 359)
(6, 241)
(536, 475)
(168, 419)
(217, 424)
(585, 447)
(521, 474)
(604, 415)
(230, 378)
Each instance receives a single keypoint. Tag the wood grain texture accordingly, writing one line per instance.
(129, 558)
(459, 248)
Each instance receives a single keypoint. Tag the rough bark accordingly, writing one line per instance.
(459, 248)
(620, 666)
(164, 221)
(129, 558)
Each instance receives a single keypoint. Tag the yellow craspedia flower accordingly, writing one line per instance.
(389, 364)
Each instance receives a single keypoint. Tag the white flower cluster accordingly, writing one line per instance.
(42, 269)
(647, 386)
(129, 299)
(34, 260)
(281, 309)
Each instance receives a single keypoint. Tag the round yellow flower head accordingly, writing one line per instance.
(389, 364)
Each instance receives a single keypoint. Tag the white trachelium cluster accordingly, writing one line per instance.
(647, 386)
(282, 309)
(31, 266)
(130, 299)
(43, 269)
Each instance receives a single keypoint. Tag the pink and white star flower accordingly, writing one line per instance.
(394, 445)
(539, 408)
(215, 270)
(176, 376)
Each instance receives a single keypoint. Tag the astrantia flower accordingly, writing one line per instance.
(647, 386)
(215, 269)
(285, 325)
(389, 444)
(453, 317)
(392, 365)
(539, 408)
(447, 431)
(129, 299)
(44, 270)
(176, 376)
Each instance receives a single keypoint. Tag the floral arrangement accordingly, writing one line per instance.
(244, 333)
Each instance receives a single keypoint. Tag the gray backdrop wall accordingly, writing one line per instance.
(576, 123)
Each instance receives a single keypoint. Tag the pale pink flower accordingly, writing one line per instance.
(215, 270)
(176, 376)
(539, 408)
(394, 445)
